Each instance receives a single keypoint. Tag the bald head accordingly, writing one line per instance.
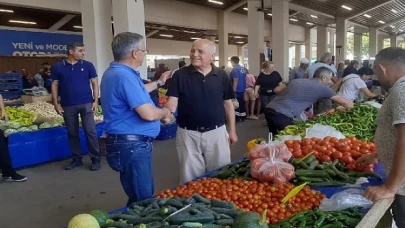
(202, 53)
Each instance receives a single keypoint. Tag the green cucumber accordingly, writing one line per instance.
(327, 184)
(224, 222)
(155, 225)
(231, 212)
(204, 217)
(310, 179)
(209, 225)
(194, 211)
(191, 225)
(116, 225)
(144, 220)
(222, 204)
(313, 165)
(311, 173)
(174, 203)
(338, 173)
(123, 216)
(330, 172)
(310, 159)
(201, 199)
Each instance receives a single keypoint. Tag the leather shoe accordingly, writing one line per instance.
(95, 165)
(75, 163)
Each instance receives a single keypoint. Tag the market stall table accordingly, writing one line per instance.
(32, 148)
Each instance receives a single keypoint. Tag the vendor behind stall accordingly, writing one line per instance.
(352, 86)
(9, 174)
(298, 96)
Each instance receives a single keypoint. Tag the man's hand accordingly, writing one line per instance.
(166, 75)
(379, 192)
(58, 109)
(368, 159)
(94, 106)
(233, 138)
(4, 116)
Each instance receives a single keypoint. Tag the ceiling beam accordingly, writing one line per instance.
(151, 33)
(235, 6)
(359, 13)
(61, 22)
(390, 23)
(304, 9)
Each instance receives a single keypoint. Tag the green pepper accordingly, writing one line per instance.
(319, 222)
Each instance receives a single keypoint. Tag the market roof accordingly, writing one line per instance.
(386, 15)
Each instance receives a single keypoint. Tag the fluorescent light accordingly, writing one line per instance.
(216, 40)
(245, 8)
(401, 30)
(392, 26)
(238, 37)
(293, 19)
(216, 2)
(192, 32)
(270, 14)
(195, 38)
(394, 11)
(366, 15)
(314, 16)
(382, 22)
(309, 23)
(6, 11)
(166, 35)
(346, 7)
(78, 26)
(23, 22)
(112, 22)
(240, 42)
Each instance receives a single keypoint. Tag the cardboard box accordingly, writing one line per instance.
(34, 99)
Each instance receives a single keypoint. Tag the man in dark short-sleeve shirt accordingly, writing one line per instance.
(71, 80)
(203, 94)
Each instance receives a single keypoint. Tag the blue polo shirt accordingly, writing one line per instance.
(239, 73)
(122, 90)
(74, 82)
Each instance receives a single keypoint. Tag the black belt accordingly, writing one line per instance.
(138, 138)
(201, 129)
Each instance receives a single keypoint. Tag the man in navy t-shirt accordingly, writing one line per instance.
(238, 75)
(71, 79)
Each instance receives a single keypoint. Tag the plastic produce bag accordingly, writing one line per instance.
(321, 131)
(342, 200)
(274, 149)
(276, 171)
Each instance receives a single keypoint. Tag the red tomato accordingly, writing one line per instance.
(322, 149)
(355, 147)
(333, 140)
(337, 155)
(348, 160)
(328, 152)
(351, 167)
(364, 151)
(356, 154)
(326, 158)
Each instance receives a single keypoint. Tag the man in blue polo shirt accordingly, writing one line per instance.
(71, 79)
(132, 119)
(238, 75)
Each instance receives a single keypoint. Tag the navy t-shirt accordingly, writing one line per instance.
(74, 81)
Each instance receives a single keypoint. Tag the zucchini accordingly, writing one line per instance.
(311, 173)
(303, 165)
(222, 204)
(313, 164)
(310, 159)
(224, 222)
(144, 220)
(310, 179)
(155, 225)
(192, 225)
(181, 218)
(319, 166)
(338, 173)
(330, 172)
(201, 199)
(116, 225)
(174, 203)
(231, 212)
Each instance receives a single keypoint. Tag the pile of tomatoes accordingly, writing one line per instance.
(251, 196)
(346, 150)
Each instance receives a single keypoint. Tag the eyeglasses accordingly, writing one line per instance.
(146, 51)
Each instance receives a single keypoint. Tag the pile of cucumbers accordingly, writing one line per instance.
(154, 213)
(348, 218)
(240, 170)
(326, 174)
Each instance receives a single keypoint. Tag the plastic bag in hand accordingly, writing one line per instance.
(346, 199)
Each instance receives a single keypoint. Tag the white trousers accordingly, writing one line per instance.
(200, 153)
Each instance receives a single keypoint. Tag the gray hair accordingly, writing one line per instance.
(213, 47)
(73, 46)
(323, 72)
(326, 56)
(124, 43)
(393, 55)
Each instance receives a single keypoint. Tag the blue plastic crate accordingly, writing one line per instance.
(167, 131)
(11, 94)
(11, 85)
(11, 76)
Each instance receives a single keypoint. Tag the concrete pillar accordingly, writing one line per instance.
(394, 41)
(97, 33)
(357, 44)
(321, 41)
(256, 36)
(341, 38)
(380, 44)
(308, 44)
(373, 39)
(223, 38)
(280, 37)
(212, 38)
(129, 16)
(332, 43)
(298, 51)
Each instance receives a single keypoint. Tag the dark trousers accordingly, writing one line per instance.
(265, 99)
(133, 159)
(276, 121)
(241, 111)
(398, 211)
(71, 117)
(5, 159)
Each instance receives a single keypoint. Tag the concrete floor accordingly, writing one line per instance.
(51, 196)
